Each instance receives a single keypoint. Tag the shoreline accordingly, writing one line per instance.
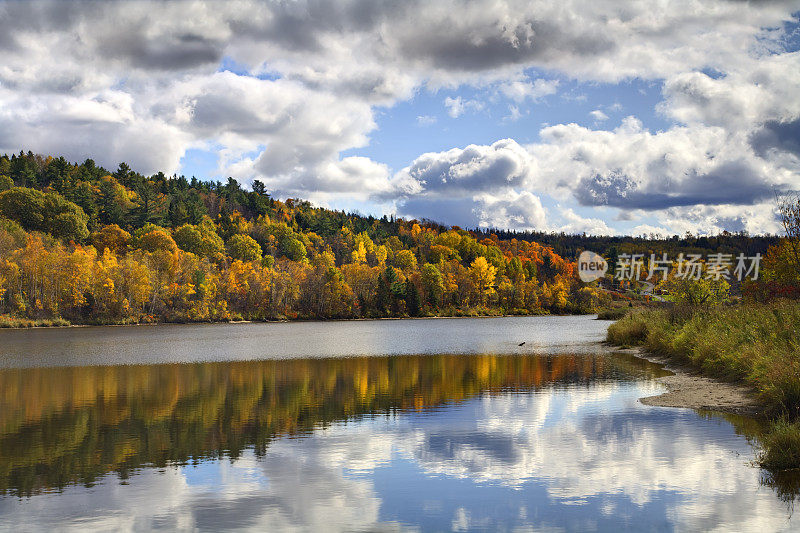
(278, 321)
(689, 389)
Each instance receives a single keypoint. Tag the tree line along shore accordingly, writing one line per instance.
(83, 245)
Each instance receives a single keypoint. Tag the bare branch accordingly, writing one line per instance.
(789, 211)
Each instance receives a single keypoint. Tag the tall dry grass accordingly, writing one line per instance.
(757, 344)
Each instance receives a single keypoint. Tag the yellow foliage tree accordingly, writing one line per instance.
(483, 275)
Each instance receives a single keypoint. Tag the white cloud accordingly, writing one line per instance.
(520, 90)
(674, 171)
(474, 168)
(107, 126)
(574, 223)
(631, 167)
(598, 115)
(521, 210)
(647, 229)
(458, 106)
(700, 219)
(751, 91)
(514, 114)
(139, 82)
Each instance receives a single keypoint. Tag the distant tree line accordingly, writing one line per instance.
(571, 245)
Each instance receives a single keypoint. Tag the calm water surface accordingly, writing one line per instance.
(385, 425)
(293, 340)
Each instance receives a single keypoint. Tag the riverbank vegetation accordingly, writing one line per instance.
(753, 343)
(753, 339)
(17, 322)
(612, 313)
(83, 244)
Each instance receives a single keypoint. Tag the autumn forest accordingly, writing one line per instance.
(82, 244)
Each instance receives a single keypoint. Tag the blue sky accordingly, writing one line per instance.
(614, 117)
(401, 135)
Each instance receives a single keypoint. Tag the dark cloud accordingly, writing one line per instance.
(735, 182)
(214, 112)
(292, 31)
(43, 16)
(784, 136)
(493, 44)
(169, 52)
(443, 447)
(732, 224)
(299, 25)
(67, 83)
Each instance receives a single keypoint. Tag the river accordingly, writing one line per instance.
(441, 424)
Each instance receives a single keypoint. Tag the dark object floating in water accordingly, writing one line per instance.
(520, 344)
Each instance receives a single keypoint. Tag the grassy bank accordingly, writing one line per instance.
(11, 321)
(612, 313)
(756, 344)
(7, 321)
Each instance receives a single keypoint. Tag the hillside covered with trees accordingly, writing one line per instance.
(89, 245)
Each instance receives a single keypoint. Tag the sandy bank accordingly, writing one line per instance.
(687, 388)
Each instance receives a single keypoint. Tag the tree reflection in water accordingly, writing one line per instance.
(62, 426)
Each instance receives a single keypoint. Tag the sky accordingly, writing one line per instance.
(604, 117)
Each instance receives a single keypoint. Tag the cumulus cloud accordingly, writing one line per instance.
(141, 82)
(628, 168)
(734, 182)
(105, 125)
(521, 210)
(480, 185)
(474, 168)
(632, 168)
(758, 218)
(752, 90)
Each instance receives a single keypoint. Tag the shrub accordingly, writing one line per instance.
(16, 322)
(612, 313)
(781, 446)
(631, 330)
